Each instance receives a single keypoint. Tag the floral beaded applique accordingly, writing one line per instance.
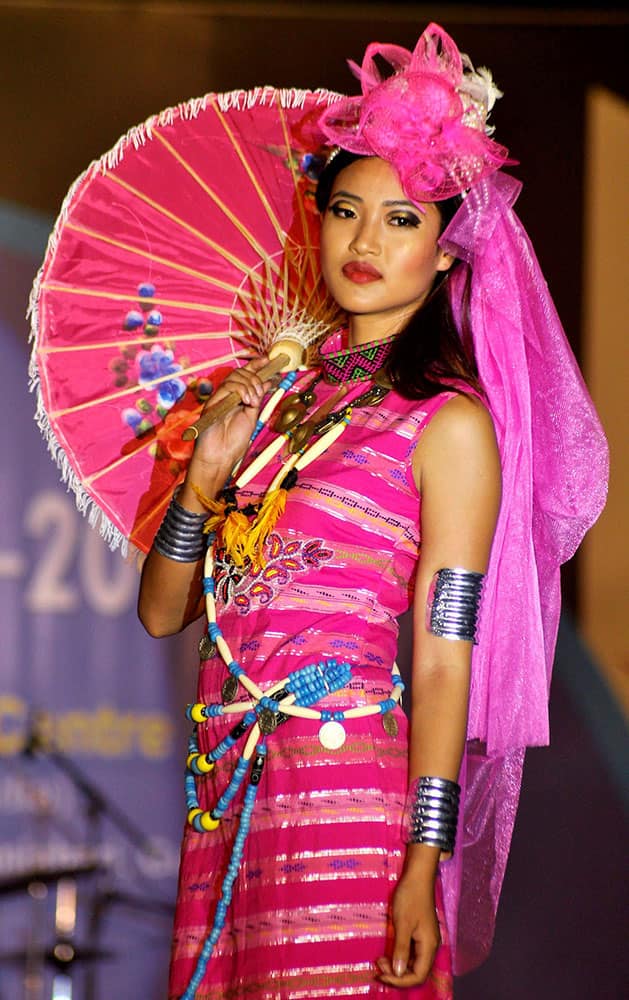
(248, 589)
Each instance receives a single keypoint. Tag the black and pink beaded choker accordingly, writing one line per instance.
(353, 364)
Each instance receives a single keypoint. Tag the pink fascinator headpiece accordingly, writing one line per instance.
(428, 119)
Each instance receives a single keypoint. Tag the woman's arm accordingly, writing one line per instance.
(170, 592)
(457, 470)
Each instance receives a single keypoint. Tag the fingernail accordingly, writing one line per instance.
(398, 967)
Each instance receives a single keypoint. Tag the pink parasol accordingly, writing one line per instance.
(184, 250)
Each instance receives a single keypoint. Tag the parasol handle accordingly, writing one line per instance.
(277, 363)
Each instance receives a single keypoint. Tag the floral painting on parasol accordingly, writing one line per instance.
(183, 251)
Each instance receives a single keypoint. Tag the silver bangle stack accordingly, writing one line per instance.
(180, 536)
(431, 813)
(453, 604)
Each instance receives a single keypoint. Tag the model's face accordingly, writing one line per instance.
(379, 252)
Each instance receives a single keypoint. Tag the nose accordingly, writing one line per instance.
(365, 238)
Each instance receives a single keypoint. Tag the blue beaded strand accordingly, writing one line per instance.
(309, 685)
(239, 772)
(230, 876)
(235, 669)
(228, 741)
(270, 703)
(256, 430)
(287, 383)
(314, 681)
(192, 799)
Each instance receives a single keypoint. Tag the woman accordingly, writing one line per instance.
(329, 886)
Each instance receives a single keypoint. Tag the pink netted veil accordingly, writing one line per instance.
(554, 467)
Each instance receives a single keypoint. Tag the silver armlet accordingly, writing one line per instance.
(180, 536)
(431, 813)
(452, 608)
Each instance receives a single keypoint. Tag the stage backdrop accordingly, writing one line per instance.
(80, 675)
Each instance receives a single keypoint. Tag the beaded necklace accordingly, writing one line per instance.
(243, 531)
(297, 694)
(354, 364)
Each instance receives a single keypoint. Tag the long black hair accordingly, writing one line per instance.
(430, 353)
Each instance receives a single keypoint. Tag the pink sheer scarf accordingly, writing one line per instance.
(554, 465)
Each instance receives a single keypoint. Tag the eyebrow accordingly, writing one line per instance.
(393, 202)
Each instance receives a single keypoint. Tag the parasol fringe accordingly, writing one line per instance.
(32, 311)
(240, 100)
(85, 504)
(243, 100)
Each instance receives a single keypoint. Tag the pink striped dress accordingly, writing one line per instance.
(310, 908)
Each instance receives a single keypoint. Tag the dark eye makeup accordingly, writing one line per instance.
(342, 210)
(403, 219)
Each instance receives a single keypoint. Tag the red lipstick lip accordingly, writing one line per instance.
(361, 272)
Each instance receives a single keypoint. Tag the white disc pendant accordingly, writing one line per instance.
(332, 735)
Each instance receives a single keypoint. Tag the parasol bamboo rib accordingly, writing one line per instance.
(167, 339)
(88, 480)
(154, 300)
(260, 303)
(128, 248)
(160, 508)
(207, 240)
(269, 263)
(281, 235)
(299, 200)
(286, 284)
(279, 232)
(264, 307)
(190, 370)
(242, 229)
(240, 265)
(276, 313)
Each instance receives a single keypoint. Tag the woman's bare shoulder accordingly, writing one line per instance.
(463, 417)
(461, 430)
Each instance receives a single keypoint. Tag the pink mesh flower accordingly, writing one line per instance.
(429, 119)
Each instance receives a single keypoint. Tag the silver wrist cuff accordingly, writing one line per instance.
(180, 536)
(431, 813)
(453, 605)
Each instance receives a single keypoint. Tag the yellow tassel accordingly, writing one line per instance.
(233, 536)
(230, 529)
(213, 523)
(236, 534)
(215, 507)
(272, 508)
